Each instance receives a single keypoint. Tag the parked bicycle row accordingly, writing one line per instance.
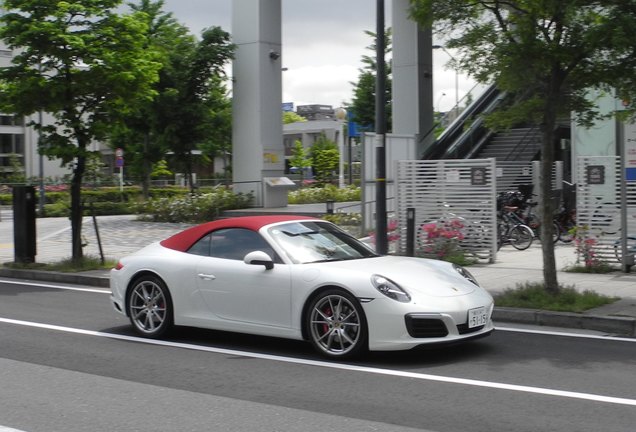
(517, 211)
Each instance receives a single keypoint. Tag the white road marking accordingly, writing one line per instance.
(63, 287)
(7, 429)
(566, 334)
(339, 366)
(508, 329)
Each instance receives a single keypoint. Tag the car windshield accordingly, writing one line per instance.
(307, 242)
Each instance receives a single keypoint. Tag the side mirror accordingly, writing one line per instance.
(259, 258)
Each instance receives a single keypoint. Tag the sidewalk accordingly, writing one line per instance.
(122, 235)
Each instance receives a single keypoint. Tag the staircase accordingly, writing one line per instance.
(521, 144)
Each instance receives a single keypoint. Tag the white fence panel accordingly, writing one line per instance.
(461, 191)
(600, 208)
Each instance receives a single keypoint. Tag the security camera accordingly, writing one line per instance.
(274, 55)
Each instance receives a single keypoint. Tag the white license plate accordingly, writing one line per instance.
(477, 317)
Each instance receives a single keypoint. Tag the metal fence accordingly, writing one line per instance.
(448, 197)
(606, 208)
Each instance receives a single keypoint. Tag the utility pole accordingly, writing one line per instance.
(380, 135)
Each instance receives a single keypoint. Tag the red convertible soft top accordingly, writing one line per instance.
(183, 240)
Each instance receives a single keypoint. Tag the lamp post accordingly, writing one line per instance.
(456, 73)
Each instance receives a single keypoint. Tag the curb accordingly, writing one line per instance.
(59, 277)
(624, 326)
(618, 325)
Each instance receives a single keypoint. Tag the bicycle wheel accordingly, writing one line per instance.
(566, 235)
(521, 237)
(502, 229)
(556, 232)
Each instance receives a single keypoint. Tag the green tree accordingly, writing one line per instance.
(84, 64)
(217, 142)
(550, 55)
(192, 94)
(292, 117)
(300, 158)
(139, 133)
(325, 158)
(362, 106)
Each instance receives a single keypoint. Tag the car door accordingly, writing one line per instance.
(239, 292)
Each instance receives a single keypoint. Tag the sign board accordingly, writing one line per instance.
(478, 176)
(279, 181)
(595, 174)
(630, 152)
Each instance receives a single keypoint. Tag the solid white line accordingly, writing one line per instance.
(62, 287)
(339, 366)
(7, 429)
(566, 334)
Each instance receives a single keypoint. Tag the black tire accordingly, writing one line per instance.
(556, 232)
(336, 325)
(150, 307)
(521, 237)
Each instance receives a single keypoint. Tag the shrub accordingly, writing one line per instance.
(323, 194)
(193, 208)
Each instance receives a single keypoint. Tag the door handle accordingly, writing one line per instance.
(206, 276)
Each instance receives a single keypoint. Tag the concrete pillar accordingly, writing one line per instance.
(257, 130)
(412, 78)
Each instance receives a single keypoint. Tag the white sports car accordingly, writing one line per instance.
(301, 278)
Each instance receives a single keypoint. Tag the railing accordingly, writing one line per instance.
(458, 141)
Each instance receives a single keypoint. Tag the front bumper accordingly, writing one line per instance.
(394, 326)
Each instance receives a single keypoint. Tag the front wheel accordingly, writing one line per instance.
(336, 325)
(521, 237)
(150, 307)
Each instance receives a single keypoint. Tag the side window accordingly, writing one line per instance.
(202, 247)
(231, 243)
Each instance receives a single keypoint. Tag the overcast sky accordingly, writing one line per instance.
(323, 42)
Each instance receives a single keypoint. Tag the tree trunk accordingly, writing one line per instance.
(76, 210)
(546, 205)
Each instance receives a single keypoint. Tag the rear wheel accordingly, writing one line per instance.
(567, 234)
(521, 237)
(336, 324)
(150, 307)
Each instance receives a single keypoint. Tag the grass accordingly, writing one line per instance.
(601, 268)
(534, 296)
(67, 265)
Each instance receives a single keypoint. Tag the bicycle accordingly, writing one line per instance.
(512, 230)
(531, 219)
(468, 234)
(566, 220)
(523, 203)
(631, 248)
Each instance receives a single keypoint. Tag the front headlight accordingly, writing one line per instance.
(465, 273)
(390, 289)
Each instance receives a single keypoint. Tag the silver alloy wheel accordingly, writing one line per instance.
(149, 307)
(336, 325)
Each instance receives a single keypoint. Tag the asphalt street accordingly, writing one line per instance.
(122, 235)
(69, 363)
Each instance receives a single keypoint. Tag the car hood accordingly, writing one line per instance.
(418, 275)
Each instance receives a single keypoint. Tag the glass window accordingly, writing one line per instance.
(232, 243)
(306, 242)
